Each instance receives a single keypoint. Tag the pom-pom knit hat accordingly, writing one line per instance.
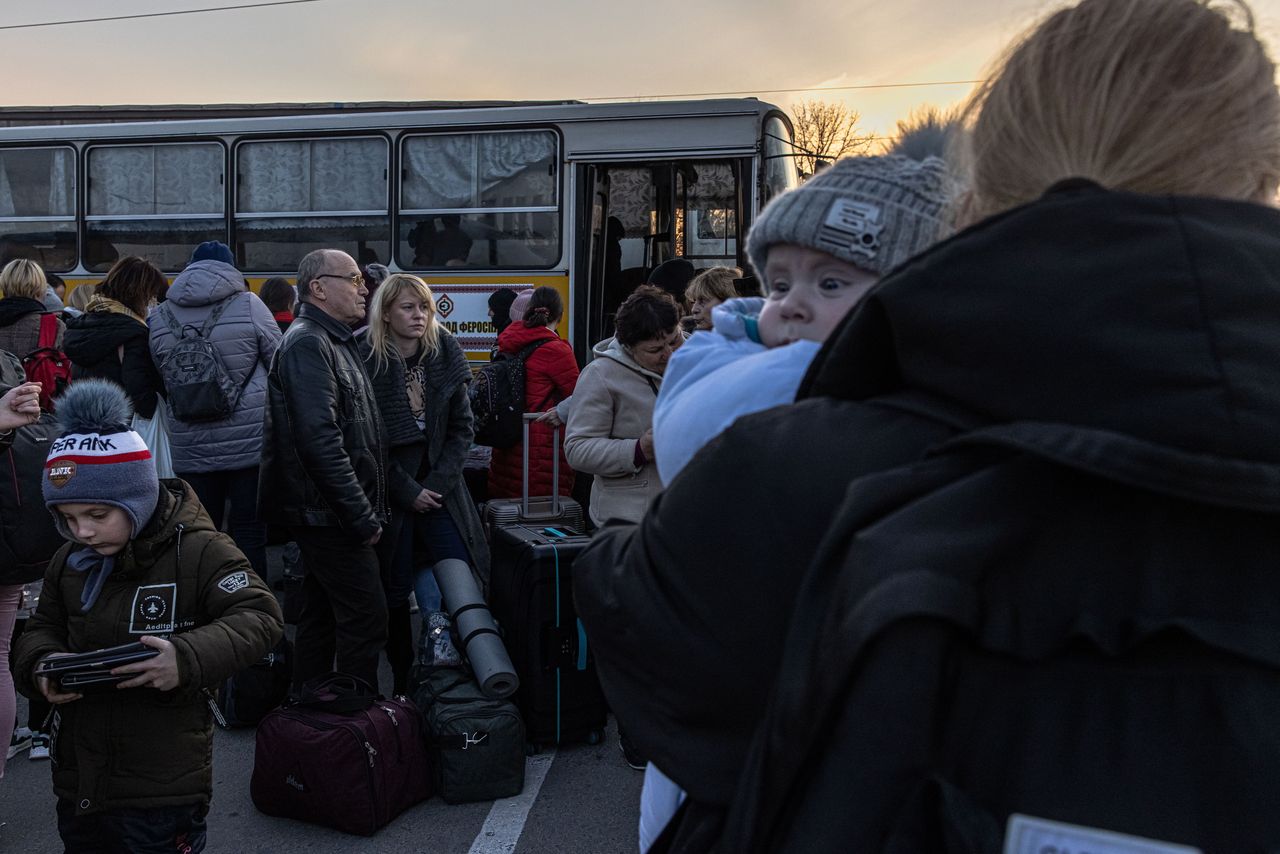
(97, 458)
(872, 212)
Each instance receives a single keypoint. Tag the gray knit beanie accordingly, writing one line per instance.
(872, 212)
(98, 459)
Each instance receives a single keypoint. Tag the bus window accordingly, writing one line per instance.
(633, 201)
(479, 200)
(708, 216)
(38, 206)
(293, 196)
(156, 201)
(780, 172)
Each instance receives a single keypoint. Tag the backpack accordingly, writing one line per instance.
(198, 385)
(497, 398)
(937, 639)
(46, 364)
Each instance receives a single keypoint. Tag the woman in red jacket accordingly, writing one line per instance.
(551, 372)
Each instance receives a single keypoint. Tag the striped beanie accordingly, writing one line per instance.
(98, 459)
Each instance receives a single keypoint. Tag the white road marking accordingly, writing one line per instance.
(505, 822)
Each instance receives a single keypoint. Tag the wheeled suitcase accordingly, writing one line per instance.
(341, 756)
(531, 597)
(554, 510)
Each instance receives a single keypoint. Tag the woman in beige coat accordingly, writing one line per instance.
(610, 427)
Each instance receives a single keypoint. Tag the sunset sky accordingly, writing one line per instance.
(354, 50)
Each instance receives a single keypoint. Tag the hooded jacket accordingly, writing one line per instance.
(110, 342)
(141, 747)
(612, 409)
(20, 325)
(246, 337)
(1068, 612)
(550, 375)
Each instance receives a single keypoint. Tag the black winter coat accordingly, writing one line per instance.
(324, 444)
(113, 346)
(1069, 613)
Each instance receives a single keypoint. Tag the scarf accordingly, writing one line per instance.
(100, 303)
(99, 568)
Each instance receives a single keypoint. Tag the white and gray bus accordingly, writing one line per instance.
(587, 198)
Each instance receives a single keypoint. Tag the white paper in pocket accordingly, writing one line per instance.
(1028, 835)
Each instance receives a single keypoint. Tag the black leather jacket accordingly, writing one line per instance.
(324, 444)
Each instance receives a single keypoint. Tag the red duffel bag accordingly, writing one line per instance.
(341, 756)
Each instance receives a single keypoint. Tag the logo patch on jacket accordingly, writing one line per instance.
(235, 581)
(153, 606)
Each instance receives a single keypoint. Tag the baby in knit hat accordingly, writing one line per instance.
(818, 250)
(131, 762)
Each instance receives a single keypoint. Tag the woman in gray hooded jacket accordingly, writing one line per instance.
(220, 458)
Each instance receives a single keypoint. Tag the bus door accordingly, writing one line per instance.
(634, 216)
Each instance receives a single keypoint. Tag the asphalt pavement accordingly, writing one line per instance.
(579, 799)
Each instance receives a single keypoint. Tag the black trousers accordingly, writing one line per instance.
(344, 611)
(240, 488)
(153, 830)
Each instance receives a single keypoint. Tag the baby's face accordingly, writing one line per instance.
(810, 292)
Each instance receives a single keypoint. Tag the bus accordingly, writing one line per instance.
(587, 198)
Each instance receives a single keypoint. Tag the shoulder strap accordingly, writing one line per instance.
(48, 331)
(527, 350)
(166, 311)
(216, 315)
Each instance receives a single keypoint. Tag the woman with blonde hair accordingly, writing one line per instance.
(1043, 461)
(22, 309)
(707, 290)
(420, 376)
(81, 296)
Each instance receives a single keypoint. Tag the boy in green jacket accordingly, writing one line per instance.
(132, 763)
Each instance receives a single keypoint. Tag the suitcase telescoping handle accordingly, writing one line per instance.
(555, 469)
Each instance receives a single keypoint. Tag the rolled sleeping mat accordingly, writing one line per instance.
(476, 630)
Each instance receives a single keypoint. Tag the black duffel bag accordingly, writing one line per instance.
(477, 744)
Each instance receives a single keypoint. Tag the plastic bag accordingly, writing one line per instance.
(155, 432)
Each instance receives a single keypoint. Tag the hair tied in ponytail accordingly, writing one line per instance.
(540, 316)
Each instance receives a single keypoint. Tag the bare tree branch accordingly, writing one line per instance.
(826, 131)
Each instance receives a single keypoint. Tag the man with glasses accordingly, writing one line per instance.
(323, 463)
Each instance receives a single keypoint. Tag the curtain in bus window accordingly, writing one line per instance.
(440, 173)
(712, 222)
(145, 180)
(517, 170)
(497, 170)
(37, 182)
(313, 175)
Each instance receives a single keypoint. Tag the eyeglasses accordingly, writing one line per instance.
(355, 278)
